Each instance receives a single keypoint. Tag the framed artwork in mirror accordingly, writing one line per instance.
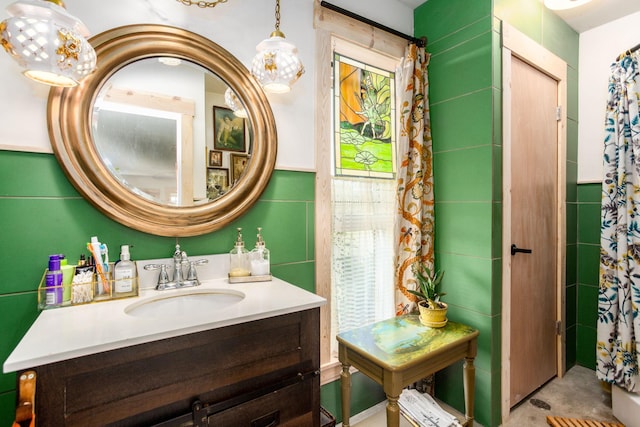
(215, 158)
(228, 130)
(238, 164)
(217, 182)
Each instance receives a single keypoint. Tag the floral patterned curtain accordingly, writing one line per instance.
(414, 225)
(618, 347)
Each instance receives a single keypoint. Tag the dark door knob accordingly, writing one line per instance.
(515, 250)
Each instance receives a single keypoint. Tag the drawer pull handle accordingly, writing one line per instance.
(269, 420)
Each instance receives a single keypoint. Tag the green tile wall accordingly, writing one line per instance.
(588, 259)
(465, 95)
(365, 393)
(41, 213)
(462, 97)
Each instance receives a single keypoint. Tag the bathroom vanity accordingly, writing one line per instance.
(250, 361)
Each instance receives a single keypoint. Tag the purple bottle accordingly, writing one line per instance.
(53, 282)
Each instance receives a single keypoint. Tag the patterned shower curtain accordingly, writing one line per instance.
(618, 347)
(414, 224)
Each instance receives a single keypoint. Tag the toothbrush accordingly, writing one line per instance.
(99, 265)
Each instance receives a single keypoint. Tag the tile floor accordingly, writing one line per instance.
(577, 395)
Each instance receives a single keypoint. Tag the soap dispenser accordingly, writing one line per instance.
(124, 274)
(239, 258)
(259, 257)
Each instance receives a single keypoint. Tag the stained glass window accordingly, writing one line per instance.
(364, 110)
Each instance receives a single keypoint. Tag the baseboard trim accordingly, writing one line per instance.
(366, 413)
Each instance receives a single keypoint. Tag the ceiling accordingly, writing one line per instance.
(598, 12)
(586, 17)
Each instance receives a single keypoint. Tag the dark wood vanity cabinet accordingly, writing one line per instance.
(254, 374)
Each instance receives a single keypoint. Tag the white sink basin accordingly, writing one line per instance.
(184, 303)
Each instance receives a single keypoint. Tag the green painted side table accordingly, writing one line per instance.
(399, 351)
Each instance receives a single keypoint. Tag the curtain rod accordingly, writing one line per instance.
(628, 52)
(421, 42)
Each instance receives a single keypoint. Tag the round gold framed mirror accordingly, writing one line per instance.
(78, 116)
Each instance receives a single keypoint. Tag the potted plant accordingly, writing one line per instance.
(433, 312)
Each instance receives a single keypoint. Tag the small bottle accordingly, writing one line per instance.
(239, 258)
(259, 257)
(67, 277)
(53, 282)
(124, 273)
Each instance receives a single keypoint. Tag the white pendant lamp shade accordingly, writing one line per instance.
(234, 103)
(564, 4)
(47, 42)
(276, 66)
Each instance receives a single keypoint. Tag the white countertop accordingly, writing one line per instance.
(68, 332)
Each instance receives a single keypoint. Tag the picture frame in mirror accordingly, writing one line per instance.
(217, 182)
(228, 130)
(238, 164)
(215, 158)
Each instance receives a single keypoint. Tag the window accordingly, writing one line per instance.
(361, 253)
(362, 195)
(354, 239)
(364, 110)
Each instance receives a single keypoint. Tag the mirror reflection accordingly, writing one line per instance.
(165, 129)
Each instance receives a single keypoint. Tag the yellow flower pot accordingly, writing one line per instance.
(433, 317)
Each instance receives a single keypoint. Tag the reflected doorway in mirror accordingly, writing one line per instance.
(228, 130)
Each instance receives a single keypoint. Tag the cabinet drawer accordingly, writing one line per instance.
(289, 406)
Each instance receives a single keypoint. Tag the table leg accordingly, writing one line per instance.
(345, 385)
(393, 411)
(469, 389)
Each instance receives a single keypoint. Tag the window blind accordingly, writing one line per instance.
(362, 252)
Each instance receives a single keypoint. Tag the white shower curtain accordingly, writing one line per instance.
(618, 345)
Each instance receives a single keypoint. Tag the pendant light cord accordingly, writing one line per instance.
(277, 32)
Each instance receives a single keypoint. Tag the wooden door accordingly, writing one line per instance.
(534, 189)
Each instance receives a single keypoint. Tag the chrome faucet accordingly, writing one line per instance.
(180, 260)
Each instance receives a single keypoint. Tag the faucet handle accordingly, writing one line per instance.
(193, 273)
(163, 277)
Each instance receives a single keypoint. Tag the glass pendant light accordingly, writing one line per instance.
(48, 42)
(276, 66)
(234, 103)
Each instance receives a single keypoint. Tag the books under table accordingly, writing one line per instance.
(423, 411)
